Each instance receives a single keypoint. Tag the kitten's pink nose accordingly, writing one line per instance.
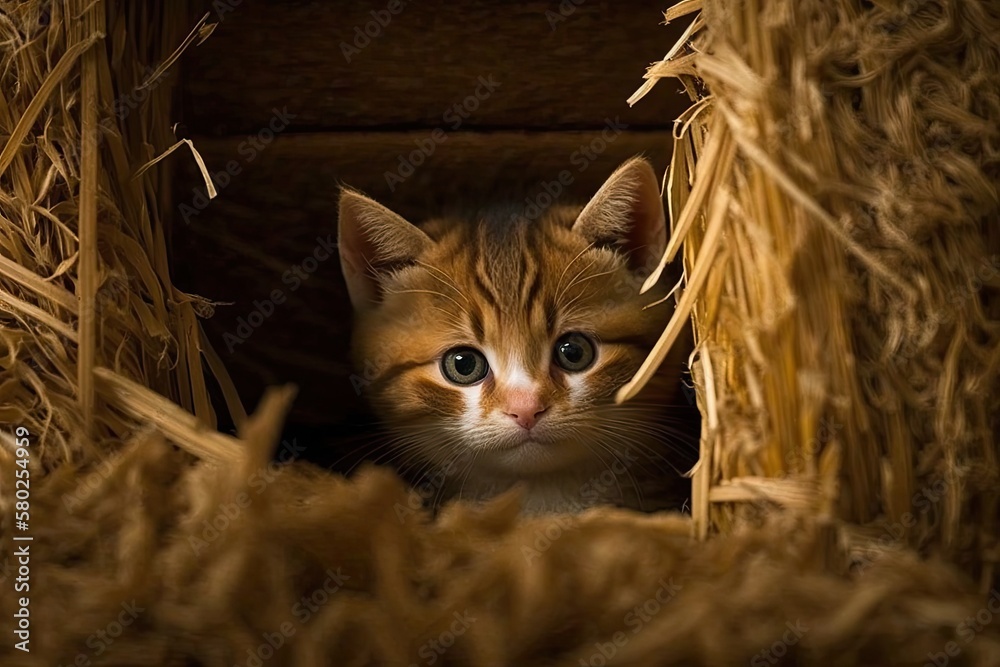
(525, 409)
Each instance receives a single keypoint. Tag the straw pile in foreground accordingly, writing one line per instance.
(843, 195)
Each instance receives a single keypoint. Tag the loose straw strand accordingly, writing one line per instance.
(86, 287)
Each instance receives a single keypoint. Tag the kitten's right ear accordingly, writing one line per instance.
(372, 240)
(627, 212)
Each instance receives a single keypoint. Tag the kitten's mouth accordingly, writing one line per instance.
(515, 444)
(532, 453)
(525, 437)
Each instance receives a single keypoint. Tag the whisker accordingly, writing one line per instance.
(444, 279)
(465, 478)
(621, 494)
(566, 268)
(560, 293)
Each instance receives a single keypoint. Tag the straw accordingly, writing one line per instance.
(845, 300)
(85, 287)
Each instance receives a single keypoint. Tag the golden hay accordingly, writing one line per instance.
(842, 238)
(77, 295)
(834, 185)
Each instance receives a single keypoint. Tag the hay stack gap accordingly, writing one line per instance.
(835, 185)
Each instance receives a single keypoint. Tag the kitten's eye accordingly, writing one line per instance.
(574, 352)
(464, 365)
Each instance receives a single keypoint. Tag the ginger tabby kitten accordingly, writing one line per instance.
(500, 342)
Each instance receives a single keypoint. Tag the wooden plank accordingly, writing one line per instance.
(280, 208)
(555, 70)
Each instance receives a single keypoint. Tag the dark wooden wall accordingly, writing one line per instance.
(279, 67)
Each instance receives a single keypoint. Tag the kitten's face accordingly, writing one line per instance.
(500, 344)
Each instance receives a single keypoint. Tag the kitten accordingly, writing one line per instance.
(494, 347)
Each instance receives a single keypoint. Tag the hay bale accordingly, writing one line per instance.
(835, 184)
(84, 259)
(834, 192)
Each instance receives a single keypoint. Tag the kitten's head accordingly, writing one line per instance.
(500, 343)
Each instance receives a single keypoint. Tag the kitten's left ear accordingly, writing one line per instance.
(627, 212)
(373, 240)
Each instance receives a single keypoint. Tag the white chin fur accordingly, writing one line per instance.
(566, 490)
(532, 458)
